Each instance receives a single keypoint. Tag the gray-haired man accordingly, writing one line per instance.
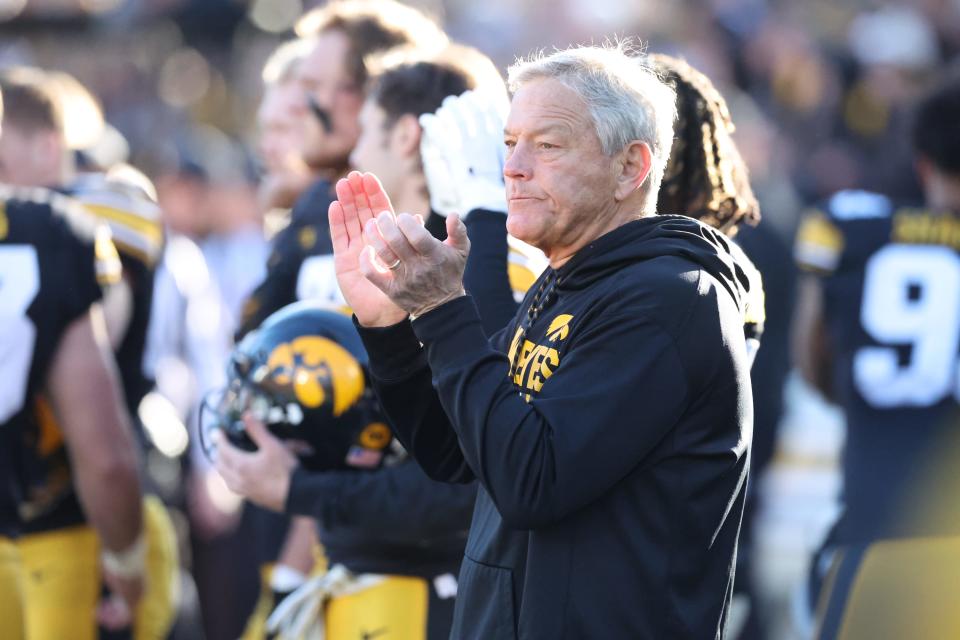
(609, 424)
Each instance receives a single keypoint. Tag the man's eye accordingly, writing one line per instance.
(510, 143)
(546, 145)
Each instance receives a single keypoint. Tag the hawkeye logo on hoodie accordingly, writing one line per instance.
(532, 364)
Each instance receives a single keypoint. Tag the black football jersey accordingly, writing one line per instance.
(53, 261)
(134, 223)
(890, 277)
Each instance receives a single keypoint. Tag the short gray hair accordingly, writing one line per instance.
(625, 98)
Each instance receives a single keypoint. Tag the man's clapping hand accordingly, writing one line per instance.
(389, 265)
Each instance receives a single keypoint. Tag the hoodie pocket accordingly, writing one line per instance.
(484, 604)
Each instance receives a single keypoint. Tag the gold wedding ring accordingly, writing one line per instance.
(394, 266)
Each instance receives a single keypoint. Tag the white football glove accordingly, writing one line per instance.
(463, 153)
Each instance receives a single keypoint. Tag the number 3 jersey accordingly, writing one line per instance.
(53, 259)
(890, 279)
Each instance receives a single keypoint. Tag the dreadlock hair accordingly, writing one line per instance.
(706, 177)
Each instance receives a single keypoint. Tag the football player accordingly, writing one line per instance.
(121, 197)
(877, 331)
(53, 260)
(33, 127)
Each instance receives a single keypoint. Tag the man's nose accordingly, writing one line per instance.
(517, 165)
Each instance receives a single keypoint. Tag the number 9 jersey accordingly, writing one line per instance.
(890, 285)
(53, 260)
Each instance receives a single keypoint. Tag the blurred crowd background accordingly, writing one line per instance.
(819, 91)
(817, 88)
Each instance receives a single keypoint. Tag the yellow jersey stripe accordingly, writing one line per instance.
(150, 229)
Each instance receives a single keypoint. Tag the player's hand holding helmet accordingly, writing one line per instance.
(300, 378)
(463, 153)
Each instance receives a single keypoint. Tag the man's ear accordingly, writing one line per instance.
(633, 166)
(406, 135)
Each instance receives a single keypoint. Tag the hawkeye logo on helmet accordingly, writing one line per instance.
(319, 371)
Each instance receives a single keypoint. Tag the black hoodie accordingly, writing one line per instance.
(609, 426)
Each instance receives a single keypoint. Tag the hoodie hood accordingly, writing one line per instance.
(653, 237)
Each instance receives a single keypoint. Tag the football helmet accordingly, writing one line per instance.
(304, 373)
